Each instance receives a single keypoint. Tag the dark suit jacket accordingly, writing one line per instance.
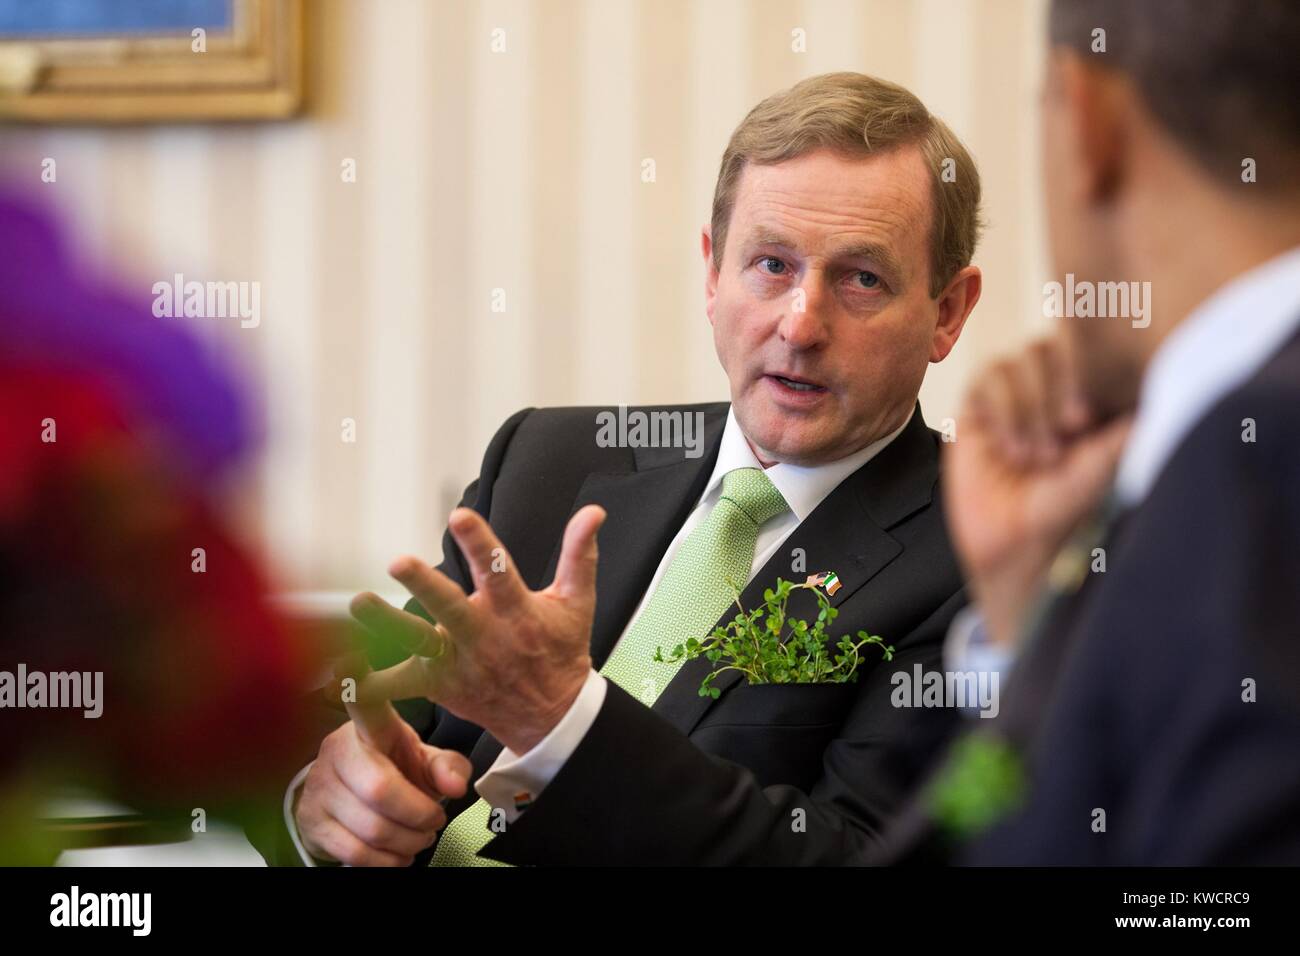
(765, 773)
(1132, 700)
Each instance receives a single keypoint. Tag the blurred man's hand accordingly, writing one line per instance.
(1028, 465)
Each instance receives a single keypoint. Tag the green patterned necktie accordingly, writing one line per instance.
(692, 594)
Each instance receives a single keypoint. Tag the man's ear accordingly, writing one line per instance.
(955, 304)
(1093, 98)
(710, 271)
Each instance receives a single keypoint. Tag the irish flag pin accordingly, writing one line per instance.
(827, 580)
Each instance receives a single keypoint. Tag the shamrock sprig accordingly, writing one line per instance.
(982, 781)
(770, 647)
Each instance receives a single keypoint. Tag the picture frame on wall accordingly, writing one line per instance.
(143, 61)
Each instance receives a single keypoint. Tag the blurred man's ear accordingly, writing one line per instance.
(1096, 105)
(710, 271)
(955, 305)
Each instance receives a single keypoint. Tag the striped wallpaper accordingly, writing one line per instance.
(490, 176)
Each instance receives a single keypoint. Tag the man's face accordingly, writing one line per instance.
(821, 310)
(1104, 352)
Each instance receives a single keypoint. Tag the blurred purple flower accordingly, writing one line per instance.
(55, 314)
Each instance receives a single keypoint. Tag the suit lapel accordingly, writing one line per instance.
(847, 533)
(645, 509)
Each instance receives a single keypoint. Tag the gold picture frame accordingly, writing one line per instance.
(252, 72)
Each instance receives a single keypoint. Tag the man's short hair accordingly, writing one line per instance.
(1223, 79)
(856, 115)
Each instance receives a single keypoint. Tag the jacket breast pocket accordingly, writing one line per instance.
(779, 731)
(782, 705)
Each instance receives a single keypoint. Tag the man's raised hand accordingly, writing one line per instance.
(505, 657)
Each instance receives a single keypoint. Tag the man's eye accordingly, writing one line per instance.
(775, 266)
(869, 280)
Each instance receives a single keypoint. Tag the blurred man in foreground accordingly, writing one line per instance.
(1153, 710)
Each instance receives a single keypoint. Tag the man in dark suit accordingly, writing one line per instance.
(1126, 498)
(827, 306)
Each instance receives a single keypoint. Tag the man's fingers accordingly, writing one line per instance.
(437, 593)
(489, 563)
(1076, 415)
(403, 681)
(1026, 405)
(1035, 395)
(575, 574)
(1060, 388)
(338, 843)
(449, 771)
(376, 721)
(996, 408)
(378, 783)
(383, 620)
(377, 831)
(1092, 460)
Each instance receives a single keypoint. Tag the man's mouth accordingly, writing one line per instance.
(796, 384)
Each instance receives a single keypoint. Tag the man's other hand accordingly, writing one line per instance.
(372, 796)
(1029, 463)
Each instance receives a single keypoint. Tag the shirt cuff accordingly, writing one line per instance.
(290, 797)
(513, 782)
(970, 648)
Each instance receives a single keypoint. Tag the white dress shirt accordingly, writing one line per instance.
(1226, 340)
(1223, 343)
(803, 489)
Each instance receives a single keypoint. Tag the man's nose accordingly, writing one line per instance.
(804, 322)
